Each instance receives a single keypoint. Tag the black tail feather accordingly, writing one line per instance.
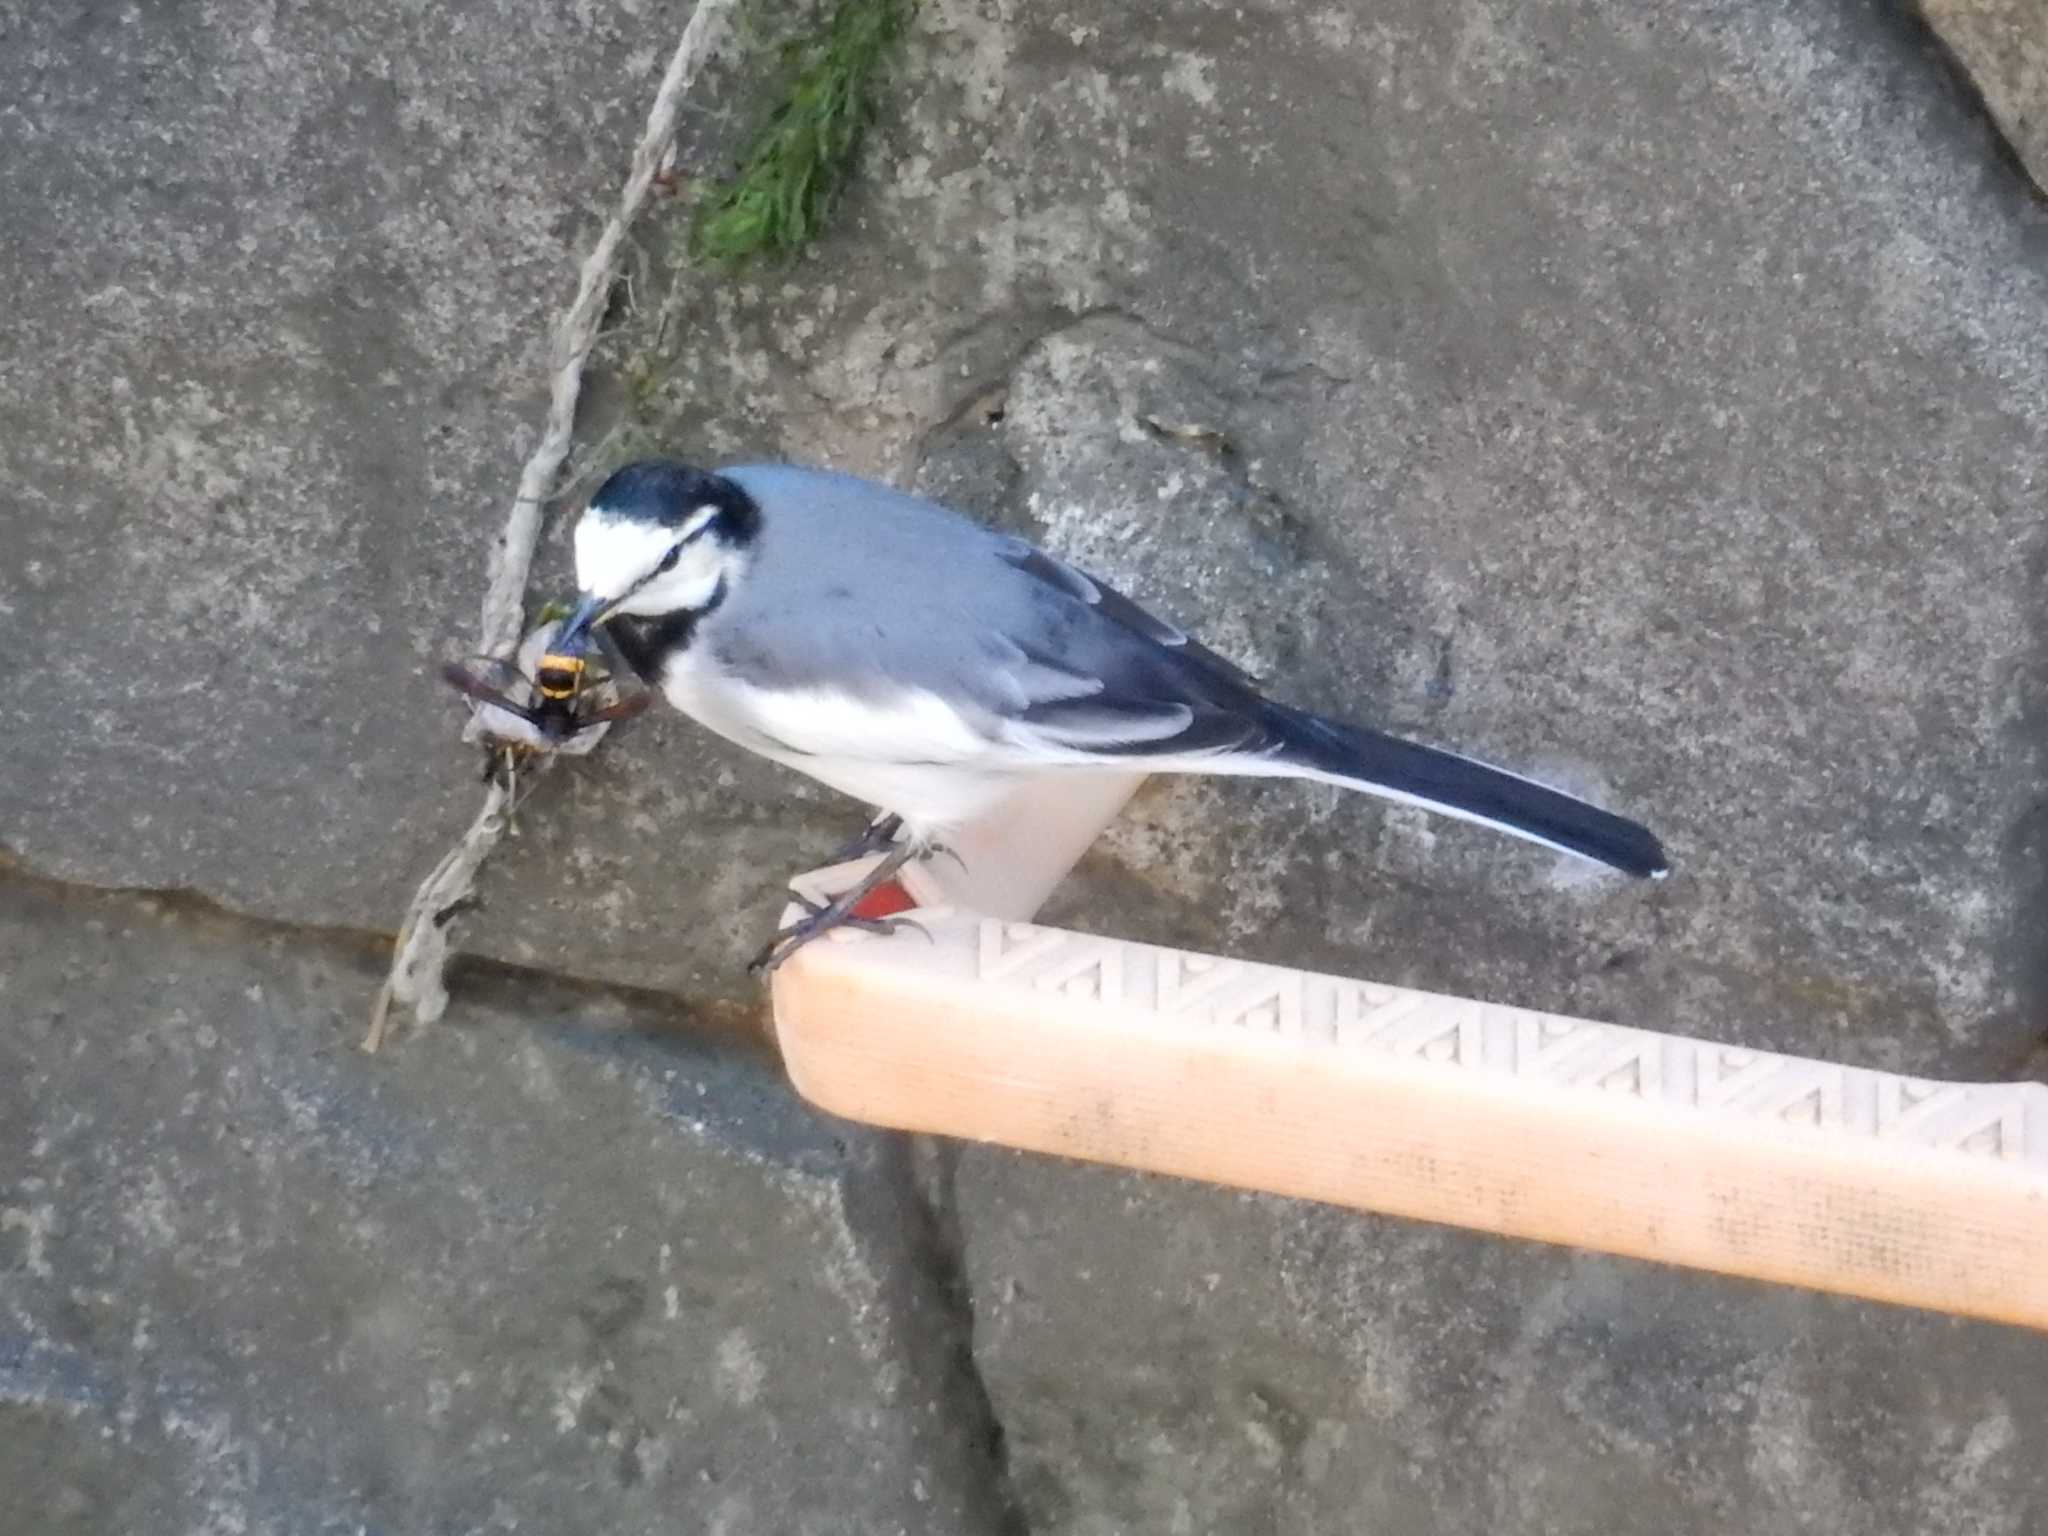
(1408, 770)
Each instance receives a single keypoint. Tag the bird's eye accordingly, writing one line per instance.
(668, 561)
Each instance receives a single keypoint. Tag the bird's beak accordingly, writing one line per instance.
(589, 611)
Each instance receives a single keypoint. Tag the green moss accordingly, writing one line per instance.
(800, 159)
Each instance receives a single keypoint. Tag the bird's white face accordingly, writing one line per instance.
(644, 568)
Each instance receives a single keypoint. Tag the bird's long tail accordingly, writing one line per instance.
(1441, 781)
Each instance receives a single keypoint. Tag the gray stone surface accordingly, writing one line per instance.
(1169, 1358)
(1656, 405)
(1656, 398)
(575, 1266)
(2003, 47)
(280, 291)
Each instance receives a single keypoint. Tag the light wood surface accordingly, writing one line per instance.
(1440, 1108)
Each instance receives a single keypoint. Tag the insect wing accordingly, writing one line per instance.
(487, 697)
(492, 679)
(625, 709)
(495, 684)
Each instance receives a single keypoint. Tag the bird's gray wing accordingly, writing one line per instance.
(1118, 609)
(1152, 689)
(873, 624)
(876, 624)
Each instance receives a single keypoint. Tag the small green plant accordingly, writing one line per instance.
(801, 157)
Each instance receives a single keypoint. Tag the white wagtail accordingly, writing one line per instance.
(926, 665)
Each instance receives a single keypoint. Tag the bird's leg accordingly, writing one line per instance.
(881, 833)
(837, 913)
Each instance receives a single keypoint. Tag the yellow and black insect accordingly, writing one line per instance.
(551, 704)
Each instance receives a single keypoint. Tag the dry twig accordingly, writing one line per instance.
(416, 977)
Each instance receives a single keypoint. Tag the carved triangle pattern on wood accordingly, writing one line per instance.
(2000, 1122)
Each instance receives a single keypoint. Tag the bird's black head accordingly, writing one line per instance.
(659, 538)
(666, 494)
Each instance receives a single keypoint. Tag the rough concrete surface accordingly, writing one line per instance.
(281, 290)
(1654, 398)
(2003, 46)
(570, 1267)
(1278, 1367)
(1654, 404)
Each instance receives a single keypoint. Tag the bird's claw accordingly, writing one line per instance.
(878, 835)
(839, 912)
(820, 919)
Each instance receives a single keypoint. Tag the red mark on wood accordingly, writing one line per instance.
(885, 900)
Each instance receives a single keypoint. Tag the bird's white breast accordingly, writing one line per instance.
(911, 753)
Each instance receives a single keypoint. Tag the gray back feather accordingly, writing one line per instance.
(861, 589)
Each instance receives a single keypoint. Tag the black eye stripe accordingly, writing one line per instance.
(668, 561)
